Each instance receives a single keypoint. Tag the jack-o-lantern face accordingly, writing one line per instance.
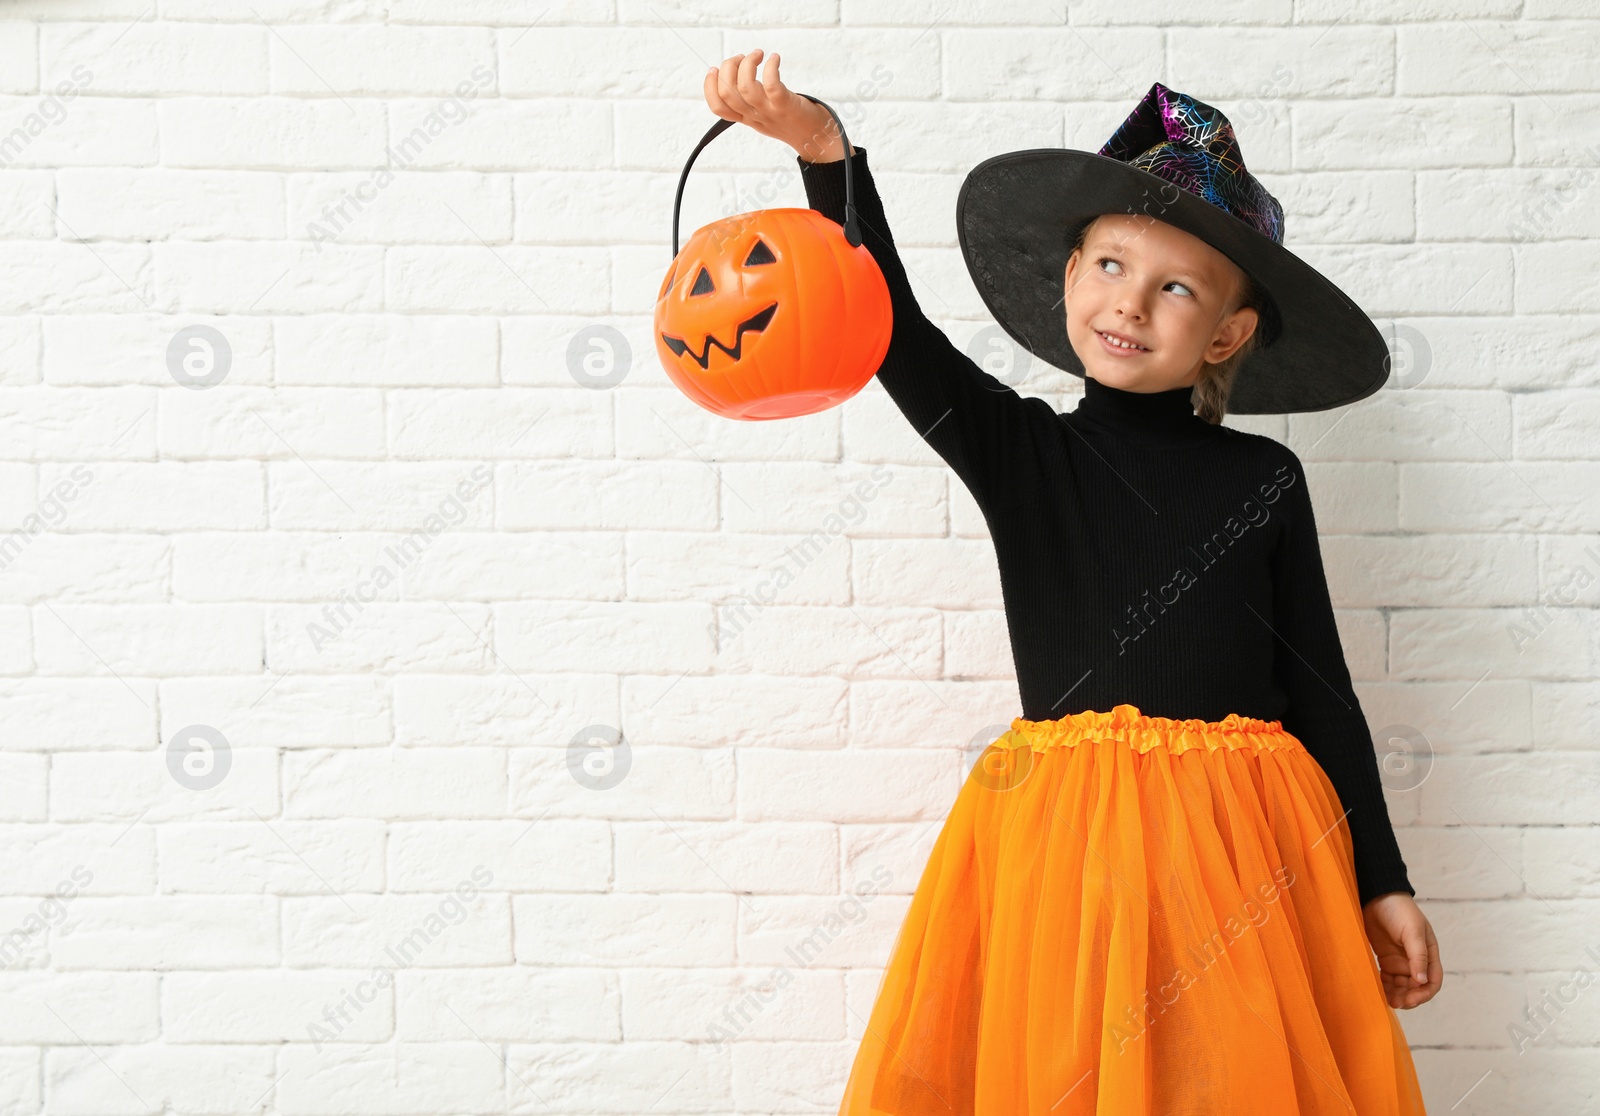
(705, 286)
(772, 314)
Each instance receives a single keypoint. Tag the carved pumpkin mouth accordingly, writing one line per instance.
(753, 324)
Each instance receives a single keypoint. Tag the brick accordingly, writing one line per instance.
(75, 128)
(62, 863)
(214, 1078)
(385, 350)
(692, 565)
(1499, 56)
(1412, 133)
(505, 422)
(566, 565)
(55, 276)
(591, 930)
(462, 927)
(272, 423)
(271, 133)
(48, 714)
(747, 859)
(484, 278)
(1541, 293)
(657, 424)
(500, 134)
(167, 932)
(156, 57)
(396, 496)
(133, 496)
(752, 1003)
(275, 1005)
(1288, 64)
(698, 782)
(272, 857)
(546, 855)
(941, 573)
(258, 277)
(395, 784)
(345, 635)
(105, 349)
(156, 640)
(618, 1076)
(130, 787)
(25, 198)
(388, 207)
(499, 709)
(287, 566)
(73, 1008)
(24, 793)
(389, 1080)
(355, 59)
(155, 204)
(572, 495)
(550, 62)
(603, 636)
(889, 785)
(508, 1005)
(73, 567)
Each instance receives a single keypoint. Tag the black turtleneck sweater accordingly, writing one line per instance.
(1145, 555)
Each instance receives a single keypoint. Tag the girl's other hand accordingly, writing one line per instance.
(772, 108)
(1403, 939)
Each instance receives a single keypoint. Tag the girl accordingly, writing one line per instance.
(1156, 892)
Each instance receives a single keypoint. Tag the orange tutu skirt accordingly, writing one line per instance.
(1126, 915)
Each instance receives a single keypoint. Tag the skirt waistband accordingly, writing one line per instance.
(1144, 732)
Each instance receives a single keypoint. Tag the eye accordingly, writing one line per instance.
(1116, 263)
(760, 254)
(702, 283)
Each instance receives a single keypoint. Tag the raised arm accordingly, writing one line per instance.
(1323, 709)
(971, 419)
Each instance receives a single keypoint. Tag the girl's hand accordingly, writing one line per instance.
(771, 108)
(1408, 952)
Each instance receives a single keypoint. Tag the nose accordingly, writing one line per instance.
(1131, 303)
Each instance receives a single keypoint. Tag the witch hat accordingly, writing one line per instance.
(1175, 159)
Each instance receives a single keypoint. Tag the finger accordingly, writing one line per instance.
(775, 93)
(1394, 963)
(750, 87)
(714, 98)
(1416, 943)
(728, 85)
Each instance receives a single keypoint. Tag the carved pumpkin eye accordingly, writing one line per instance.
(702, 283)
(760, 254)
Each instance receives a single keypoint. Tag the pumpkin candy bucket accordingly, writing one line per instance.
(775, 313)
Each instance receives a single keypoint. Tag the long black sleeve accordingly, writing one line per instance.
(966, 415)
(1323, 709)
(1139, 561)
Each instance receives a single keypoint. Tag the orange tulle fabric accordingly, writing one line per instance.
(1125, 915)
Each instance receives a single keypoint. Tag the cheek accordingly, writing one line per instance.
(1180, 324)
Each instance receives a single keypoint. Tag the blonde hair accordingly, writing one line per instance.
(1211, 389)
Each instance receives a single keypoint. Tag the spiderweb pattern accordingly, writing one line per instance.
(1193, 146)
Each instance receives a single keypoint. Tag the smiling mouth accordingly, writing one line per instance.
(753, 324)
(1117, 343)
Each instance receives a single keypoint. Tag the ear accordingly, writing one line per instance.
(1234, 331)
(1072, 267)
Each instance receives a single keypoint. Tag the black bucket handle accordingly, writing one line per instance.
(852, 229)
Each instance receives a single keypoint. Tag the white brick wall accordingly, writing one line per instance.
(398, 898)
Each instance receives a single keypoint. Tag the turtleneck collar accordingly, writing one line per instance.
(1149, 417)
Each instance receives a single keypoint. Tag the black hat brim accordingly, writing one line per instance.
(1016, 218)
